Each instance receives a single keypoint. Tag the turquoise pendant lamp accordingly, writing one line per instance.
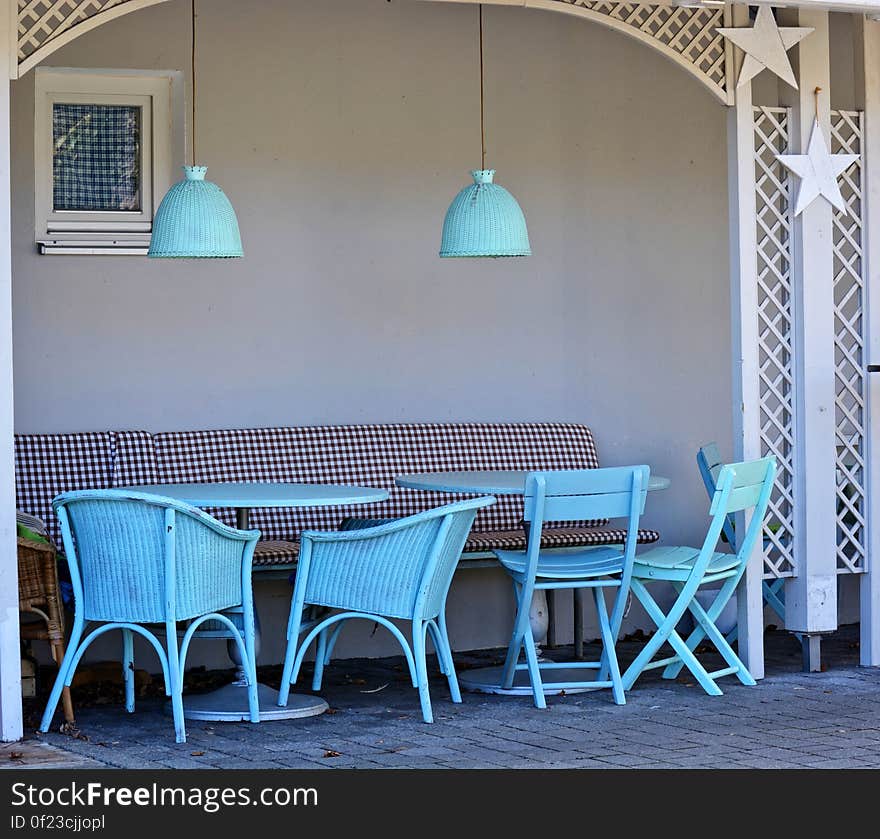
(484, 219)
(195, 218)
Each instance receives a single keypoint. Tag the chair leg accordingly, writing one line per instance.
(293, 632)
(419, 630)
(522, 637)
(665, 632)
(550, 640)
(57, 648)
(774, 596)
(723, 647)
(673, 670)
(61, 680)
(528, 642)
(331, 643)
(577, 597)
(444, 654)
(609, 647)
(176, 678)
(320, 660)
(128, 668)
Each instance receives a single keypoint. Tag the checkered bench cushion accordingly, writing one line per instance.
(269, 553)
(515, 540)
(47, 464)
(369, 455)
(275, 552)
(554, 537)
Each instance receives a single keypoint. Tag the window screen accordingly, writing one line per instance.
(96, 157)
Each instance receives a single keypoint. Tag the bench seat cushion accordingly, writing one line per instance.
(275, 552)
(554, 537)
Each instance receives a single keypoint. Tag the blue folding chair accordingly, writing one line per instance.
(741, 486)
(399, 569)
(773, 591)
(574, 495)
(138, 559)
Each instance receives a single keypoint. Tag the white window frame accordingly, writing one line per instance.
(159, 96)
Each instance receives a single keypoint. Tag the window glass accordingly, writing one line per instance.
(96, 154)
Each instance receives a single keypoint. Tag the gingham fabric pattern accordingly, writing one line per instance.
(555, 537)
(134, 459)
(47, 464)
(369, 455)
(275, 552)
(96, 160)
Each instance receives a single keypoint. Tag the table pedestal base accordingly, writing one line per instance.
(488, 680)
(229, 704)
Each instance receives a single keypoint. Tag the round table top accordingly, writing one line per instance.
(248, 495)
(504, 482)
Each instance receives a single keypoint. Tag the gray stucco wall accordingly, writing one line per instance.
(341, 130)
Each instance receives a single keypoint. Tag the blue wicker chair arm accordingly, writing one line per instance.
(386, 526)
(159, 500)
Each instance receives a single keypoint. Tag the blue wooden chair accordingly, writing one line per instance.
(137, 559)
(574, 495)
(741, 486)
(400, 569)
(773, 591)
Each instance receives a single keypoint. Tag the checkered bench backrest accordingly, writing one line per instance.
(366, 455)
(47, 464)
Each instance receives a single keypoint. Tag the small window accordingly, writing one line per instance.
(103, 153)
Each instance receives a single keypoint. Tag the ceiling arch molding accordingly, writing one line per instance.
(685, 35)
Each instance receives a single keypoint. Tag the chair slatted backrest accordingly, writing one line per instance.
(572, 494)
(709, 463)
(143, 558)
(741, 486)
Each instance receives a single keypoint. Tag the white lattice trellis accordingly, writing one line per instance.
(687, 35)
(775, 334)
(849, 344)
(687, 32)
(41, 20)
(44, 25)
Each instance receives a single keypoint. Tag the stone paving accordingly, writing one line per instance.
(790, 720)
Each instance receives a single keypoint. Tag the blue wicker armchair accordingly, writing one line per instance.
(397, 570)
(137, 559)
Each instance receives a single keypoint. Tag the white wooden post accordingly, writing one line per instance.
(744, 336)
(811, 596)
(868, 71)
(10, 653)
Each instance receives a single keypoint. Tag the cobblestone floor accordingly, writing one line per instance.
(790, 720)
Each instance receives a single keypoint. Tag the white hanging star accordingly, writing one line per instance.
(766, 46)
(818, 171)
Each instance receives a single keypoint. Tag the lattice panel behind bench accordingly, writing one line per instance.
(849, 345)
(775, 333)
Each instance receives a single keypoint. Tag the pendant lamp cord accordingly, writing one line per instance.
(193, 81)
(482, 106)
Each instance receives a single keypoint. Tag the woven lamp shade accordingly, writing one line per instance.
(196, 220)
(484, 219)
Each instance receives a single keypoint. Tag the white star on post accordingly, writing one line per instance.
(818, 171)
(766, 46)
